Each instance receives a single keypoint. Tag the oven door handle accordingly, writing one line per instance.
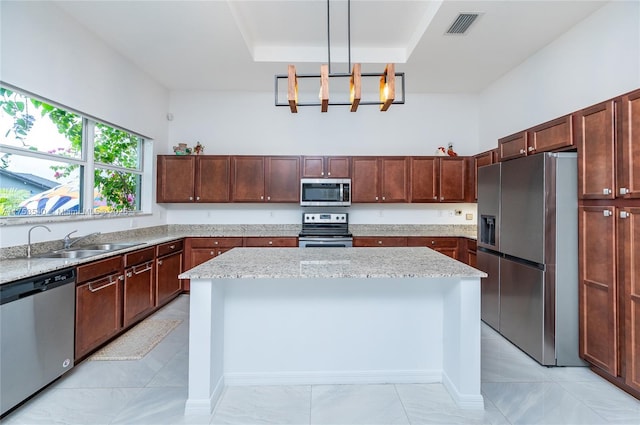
(325, 245)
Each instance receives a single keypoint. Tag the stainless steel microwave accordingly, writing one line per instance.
(325, 192)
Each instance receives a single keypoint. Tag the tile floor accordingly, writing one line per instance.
(153, 390)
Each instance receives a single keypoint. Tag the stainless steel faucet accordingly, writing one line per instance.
(67, 241)
(29, 238)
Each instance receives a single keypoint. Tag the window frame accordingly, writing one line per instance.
(88, 166)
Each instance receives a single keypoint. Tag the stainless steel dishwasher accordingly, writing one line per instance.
(36, 334)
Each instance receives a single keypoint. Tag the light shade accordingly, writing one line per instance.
(355, 87)
(387, 87)
(324, 88)
(292, 89)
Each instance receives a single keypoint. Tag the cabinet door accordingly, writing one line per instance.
(167, 283)
(98, 312)
(283, 181)
(313, 167)
(513, 146)
(338, 167)
(598, 290)
(176, 178)
(212, 179)
(629, 247)
(554, 135)
(365, 182)
(248, 174)
(629, 153)
(480, 160)
(471, 252)
(379, 241)
(424, 179)
(444, 245)
(395, 184)
(596, 151)
(138, 292)
(453, 179)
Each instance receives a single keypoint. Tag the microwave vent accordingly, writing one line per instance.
(462, 23)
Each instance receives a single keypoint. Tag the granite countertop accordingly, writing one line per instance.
(284, 263)
(14, 265)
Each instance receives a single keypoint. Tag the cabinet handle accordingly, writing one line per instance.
(379, 242)
(606, 213)
(329, 173)
(606, 191)
(624, 191)
(322, 173)
(215, 242)
(172, 247)
(191, 198)
(433, 242)
(268, 198)
(109, 279)
(213, 253)
(197, 198)
(435, 198)
(442, 198)
(624, 214)
(270, 242)
(147, 267)
(531, 149)
(376, 198)
(159, 262)
(129, 274)
(522, 151)
(384, 198)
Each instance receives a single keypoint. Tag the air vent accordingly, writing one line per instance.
(462, 23)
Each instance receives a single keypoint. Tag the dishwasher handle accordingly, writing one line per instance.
(34, 285)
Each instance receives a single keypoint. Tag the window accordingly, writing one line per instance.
(54, 161)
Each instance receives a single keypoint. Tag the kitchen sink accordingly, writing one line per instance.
(74, 253)
(108, 246)
(86, 250)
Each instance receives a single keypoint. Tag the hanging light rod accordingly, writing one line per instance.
(386, 88)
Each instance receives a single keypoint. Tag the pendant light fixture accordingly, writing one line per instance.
(387, 85)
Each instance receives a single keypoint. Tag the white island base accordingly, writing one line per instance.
(256, 328)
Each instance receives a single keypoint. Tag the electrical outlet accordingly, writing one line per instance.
(469, 216)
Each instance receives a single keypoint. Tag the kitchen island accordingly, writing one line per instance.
(286, 316)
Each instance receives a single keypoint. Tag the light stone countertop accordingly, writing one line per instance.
(285, 263)
(14, 266)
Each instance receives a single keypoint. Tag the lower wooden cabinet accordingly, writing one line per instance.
(200, 250)
(609, 292)
(448, 246)
(168, 267)
(138, 288)
(98, 304)
(472, 245)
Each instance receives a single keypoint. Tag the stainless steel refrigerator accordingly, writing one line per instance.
(528, 245)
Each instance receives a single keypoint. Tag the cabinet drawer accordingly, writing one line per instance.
(433, 242)
(99, 268)
(139, 257)
(215, 242)
(168, 248)
(388, 241)
(255, 242)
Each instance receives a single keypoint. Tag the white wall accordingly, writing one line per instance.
(47, 53)
(596, 60)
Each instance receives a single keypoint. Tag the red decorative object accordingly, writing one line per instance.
(450, 151)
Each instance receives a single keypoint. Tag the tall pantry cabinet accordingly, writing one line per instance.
(608, 142)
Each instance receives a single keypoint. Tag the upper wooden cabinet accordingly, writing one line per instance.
(609, 149)
(439, 179)
(480, 160)
(629, 149)
(193, 178)
(380, 179)
(326, 167)
(553, 135)
(265, 178)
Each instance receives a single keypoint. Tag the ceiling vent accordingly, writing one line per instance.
(462, 23)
